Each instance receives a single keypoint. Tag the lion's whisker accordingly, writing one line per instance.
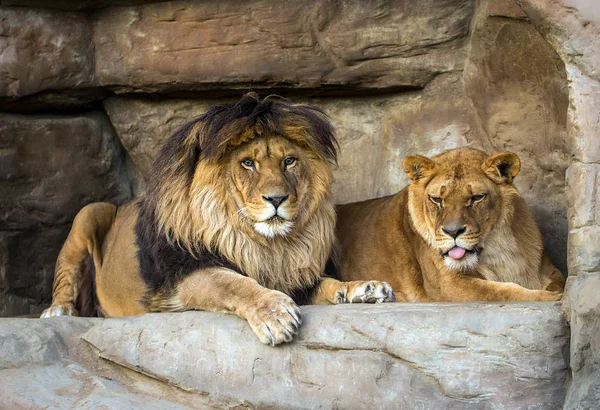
(240, 212)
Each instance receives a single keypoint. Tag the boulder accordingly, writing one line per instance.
(44, 50)
(38, 368)
(350, 356)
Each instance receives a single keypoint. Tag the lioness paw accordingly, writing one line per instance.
(366, 292)
(66, 309)
(546, 296)
(275, 318)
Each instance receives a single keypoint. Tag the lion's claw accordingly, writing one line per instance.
(275, 319)
(366, 292)
(66, 309)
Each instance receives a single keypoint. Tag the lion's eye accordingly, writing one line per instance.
(248, 163)
(476, 198)
(436, 200)
(289, 162)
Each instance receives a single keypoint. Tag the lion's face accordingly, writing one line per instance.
(456, 200)
(257, 172)
(270, 183)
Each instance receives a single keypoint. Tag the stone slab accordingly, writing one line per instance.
(44, 50)
(38, 370)
(583, 194)
(584, 303)
(584, 252)
(189, 45)
(395, 355)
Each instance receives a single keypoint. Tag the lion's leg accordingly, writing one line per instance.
(272, 315)
(85, 239)
(332, 291)
(459, 288)
(554, 281)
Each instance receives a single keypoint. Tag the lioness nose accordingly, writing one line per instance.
(454, 230)
(276, 200)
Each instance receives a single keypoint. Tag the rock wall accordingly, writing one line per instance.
(572, 27)
(107, 82)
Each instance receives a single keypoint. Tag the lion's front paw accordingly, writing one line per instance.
(63, 309)
(366, 292)
(546, 296)
(275, 318)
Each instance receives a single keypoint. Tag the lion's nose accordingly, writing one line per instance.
(276, 200)
(454, 230)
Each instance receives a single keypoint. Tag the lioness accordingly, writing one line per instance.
(237, 217)
(459, 232)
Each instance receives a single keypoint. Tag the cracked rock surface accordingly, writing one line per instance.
(398, 356)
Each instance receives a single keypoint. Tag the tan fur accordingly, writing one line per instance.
(222, 207)
(399, 238)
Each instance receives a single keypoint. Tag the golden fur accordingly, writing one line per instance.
(237, 217)
(461, 202)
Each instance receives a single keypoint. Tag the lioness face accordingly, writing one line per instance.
(270, 183)
(456, 201)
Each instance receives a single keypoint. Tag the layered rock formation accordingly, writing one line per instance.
(395, 355)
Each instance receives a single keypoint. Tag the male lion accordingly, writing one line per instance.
(237, 217)
(459, 232)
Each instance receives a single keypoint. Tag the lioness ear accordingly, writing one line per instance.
(417, 166)
(502, 167)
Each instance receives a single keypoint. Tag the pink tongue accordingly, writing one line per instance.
(456, 252)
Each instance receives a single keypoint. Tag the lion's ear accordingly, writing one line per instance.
(417, 166)
(502, 167)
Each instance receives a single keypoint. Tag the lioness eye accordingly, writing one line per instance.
(476, 198)
(436, 200)
(248, 163)
(289, 161)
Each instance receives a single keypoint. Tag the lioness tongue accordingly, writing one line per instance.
(456, 252)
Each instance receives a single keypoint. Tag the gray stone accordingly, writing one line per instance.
(584, 392)
(584, 252)
(582, 191)
(44, 50)
(70, 386)
(38, 370)
(395, 355)
(189, 45)
(30, 341)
